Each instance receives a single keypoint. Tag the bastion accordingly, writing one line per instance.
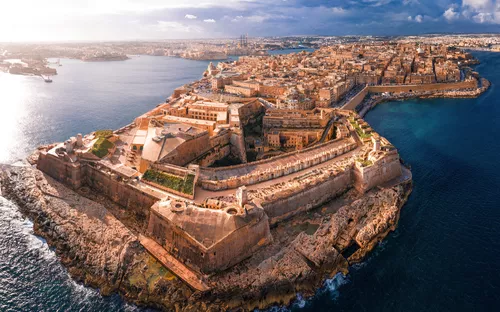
(210, 219)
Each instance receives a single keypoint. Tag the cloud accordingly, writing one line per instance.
(477, 4)
(450, 15)
(483, 18)
(168, 26)
(338, 10)
(175, 19)
(482, 11)
(377, 3)
(411, 2)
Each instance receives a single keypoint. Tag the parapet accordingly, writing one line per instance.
(208, 239)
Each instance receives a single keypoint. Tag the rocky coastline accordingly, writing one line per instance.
(101, 252)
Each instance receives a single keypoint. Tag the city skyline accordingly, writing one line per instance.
(155, 20)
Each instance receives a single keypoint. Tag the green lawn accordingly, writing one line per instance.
(171, 181)
(101, 147)
(359, 131)
(103, 133)
(365, 162)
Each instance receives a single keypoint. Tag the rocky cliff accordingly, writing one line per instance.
(102, 252)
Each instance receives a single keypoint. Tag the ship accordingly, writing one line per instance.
(47, 78)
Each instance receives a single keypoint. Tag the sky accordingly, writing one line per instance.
(77, 20)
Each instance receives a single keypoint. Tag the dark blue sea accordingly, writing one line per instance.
(444, 255)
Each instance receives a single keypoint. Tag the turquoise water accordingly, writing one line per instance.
(444, 256)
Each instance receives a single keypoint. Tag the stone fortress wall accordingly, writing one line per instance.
(284, 200)
(66, 172)
(217, 179)
(105, 183)
(386, 169)
(356, 100)
(467, 84)
(308, 197)
(120, 192)
(252, 231)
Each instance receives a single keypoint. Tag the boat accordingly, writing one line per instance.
(47, 78)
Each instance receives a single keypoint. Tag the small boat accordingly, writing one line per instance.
(47, 79)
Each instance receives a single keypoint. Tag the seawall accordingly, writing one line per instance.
(468, 84)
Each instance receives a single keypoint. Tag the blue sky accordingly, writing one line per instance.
(166, 19)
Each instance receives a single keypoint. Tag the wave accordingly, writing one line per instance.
(333, 285)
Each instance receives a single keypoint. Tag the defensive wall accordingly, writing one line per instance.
(219, 148)
(467, 84)
(308, 197)
(356, 100)
(208, 240)
(237, 146)
(66, 172)
(289, 199)
(217, 179)
(188, 151)
(385, 169)
(122, 193)
(109, 184)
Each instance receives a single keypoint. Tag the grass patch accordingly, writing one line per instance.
(359, 131)
(103, 133)
(101, 147)
(365, 162)
(171, 181)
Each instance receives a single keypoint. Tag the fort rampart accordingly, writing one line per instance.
(356, 100)
(467, 84)
(385, 169)
(105, 183)
(66, 172)
(207, 257)
(124, 194)
(308, 197)
(216, 179)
